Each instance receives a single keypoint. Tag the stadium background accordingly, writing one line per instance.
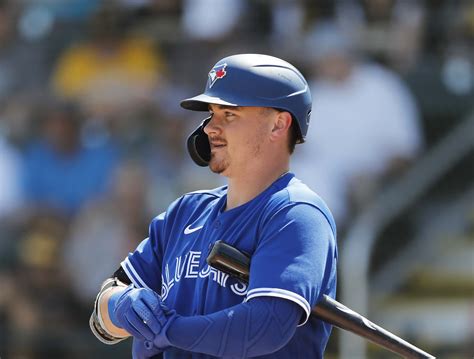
(92, 147)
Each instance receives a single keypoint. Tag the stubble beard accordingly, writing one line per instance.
(218, 166)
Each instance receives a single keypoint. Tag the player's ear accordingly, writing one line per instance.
(281, 124)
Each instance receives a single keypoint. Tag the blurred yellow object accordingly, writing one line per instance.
(469, 19)
(123, 67)
(39, 250)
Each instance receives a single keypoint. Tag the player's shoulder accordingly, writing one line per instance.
(294, 192)
(290, 189)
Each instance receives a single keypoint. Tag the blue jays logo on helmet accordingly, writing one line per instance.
(217, 73)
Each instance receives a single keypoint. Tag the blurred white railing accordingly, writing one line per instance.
(449, 221)
(357, 246)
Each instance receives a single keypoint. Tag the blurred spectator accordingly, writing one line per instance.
(159, 19)
(10, 166)
(18, 119)
(112, 70)
(288, 18)
(443, 81)
(22, 62)
(39, 295)
(458, 64)
(60, 172)
(11, 198)
(70, 10)
(364, 124)
(211, 19)
(105, 230)
(388, 31)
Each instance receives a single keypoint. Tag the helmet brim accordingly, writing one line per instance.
(201, 102)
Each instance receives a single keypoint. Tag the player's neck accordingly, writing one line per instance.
(247, 185)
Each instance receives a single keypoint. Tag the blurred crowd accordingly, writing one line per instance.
(92, 138)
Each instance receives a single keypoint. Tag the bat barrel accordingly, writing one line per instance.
(330, 311)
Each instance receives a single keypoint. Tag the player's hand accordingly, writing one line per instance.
(137, 310)
(143, 350)
(167, 317)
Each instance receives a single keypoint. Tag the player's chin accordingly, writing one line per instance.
(218, 166)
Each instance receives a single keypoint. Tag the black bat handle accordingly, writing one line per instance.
(232, 261)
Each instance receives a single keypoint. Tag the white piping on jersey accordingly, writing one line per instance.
(281, 293)
(132, 274)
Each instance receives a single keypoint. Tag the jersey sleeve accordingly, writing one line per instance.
(295, 257)
(143, 265)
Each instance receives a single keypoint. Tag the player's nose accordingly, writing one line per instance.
(213, 127)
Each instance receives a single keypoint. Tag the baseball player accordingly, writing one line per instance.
(168, 298)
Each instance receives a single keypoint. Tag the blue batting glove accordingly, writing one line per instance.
(134, 310)
(143, 350)
(167, 317)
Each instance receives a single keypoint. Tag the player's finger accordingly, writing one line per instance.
(153, 301)
(147, 316)
(137, 327)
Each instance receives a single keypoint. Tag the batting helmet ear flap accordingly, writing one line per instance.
(198, 145)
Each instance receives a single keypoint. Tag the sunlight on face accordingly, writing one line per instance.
(236, 135)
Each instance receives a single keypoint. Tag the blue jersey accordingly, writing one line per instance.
(277, 229)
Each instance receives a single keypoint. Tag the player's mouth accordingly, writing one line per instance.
(217, 145)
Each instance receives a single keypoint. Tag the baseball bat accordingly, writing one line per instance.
(235, 263)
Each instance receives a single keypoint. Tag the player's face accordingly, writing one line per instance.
(236, 135)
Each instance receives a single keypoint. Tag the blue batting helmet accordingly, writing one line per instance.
(250, 80)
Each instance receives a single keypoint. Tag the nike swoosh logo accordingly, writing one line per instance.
(189, 230)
